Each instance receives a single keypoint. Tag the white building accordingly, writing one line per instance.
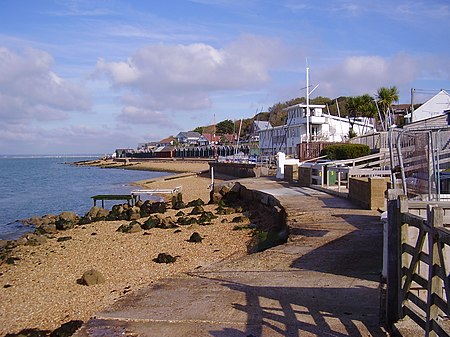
(322, 127)
(437, 105)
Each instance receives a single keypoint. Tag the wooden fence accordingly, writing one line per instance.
(418, 285)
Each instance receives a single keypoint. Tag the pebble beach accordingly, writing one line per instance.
(39, 288)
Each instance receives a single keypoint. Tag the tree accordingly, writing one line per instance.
(199, 129)
(359, 106)
(226, 126)
(385, 98)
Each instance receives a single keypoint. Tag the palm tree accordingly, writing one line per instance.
(359, 106)
(385, 98)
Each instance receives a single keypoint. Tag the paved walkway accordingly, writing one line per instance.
(323, 282)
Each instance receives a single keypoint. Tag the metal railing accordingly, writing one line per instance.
(421, 162)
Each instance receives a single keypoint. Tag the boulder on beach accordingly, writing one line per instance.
(152, 222)
(133, 213)
(91, 277)
(196, 202)
(165, 258)
(177, 201)
(206, 217)
(197, 210)
(62, 224)
(132, 227)
(195, 237)
(69, 216)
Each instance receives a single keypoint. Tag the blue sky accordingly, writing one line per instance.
(81, 76)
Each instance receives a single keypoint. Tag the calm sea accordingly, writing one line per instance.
(32, 186)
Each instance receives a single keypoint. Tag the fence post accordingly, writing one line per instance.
(393, 280)
(435, 217)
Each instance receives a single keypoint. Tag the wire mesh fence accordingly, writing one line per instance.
(420, 161)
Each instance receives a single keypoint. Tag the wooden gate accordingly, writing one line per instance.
(418, 285)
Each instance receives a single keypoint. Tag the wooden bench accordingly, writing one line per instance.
(130, 198)
(137, 193)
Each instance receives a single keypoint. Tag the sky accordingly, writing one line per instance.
(82, 76)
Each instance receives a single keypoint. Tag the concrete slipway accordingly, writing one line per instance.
(323, 282)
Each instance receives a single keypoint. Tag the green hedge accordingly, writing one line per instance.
(345, 151)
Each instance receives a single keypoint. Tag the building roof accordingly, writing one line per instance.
(167, 140)
(189, 134)
(261, 125)
(303, 105)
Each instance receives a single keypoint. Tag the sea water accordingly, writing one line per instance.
(35, 186)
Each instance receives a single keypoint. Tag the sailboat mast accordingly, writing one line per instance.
(307, 102)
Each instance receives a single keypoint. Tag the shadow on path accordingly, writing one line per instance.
(292, 311)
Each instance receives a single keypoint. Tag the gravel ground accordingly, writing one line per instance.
(41, 291)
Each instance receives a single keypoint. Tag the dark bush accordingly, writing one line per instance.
(345, 151)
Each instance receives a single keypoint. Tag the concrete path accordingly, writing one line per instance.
(323, 282)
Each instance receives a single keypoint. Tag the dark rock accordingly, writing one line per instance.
(62, 224)
(224, 210)
(133, 213)
(152, 222)
(67, 329)
(139, 203)
(69, 216)
(117, 213)
(177, 201)
(96, 214)
(177, 231)
(46, 229)
(167, 222)
(91, 277)
(195, 237)
(215, 197)
(186, 221)
(145, 208)
(206, 217)
(165, 258)
(197, 210)
(92, 213)
(12, 260)
(132, 227)
(239, 219)
(64, 238)
(158, 207)
(197, 202)
(180, 213)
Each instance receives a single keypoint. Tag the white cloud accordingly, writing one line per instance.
(33, 139)
(357, 75)
(166, 78)
(30, 90)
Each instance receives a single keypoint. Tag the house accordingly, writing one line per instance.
(435, 122)
(123, 153)
(188, 138)
(437, 105)
(167, 141)
(256, 127)
(309, 127)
